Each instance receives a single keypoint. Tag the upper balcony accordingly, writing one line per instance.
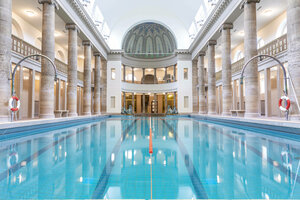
(136, 75)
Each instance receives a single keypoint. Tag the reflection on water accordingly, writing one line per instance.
(110, 159)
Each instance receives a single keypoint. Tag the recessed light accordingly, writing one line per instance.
(267, 12)
(30, 13)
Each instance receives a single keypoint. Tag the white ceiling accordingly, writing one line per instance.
(121, 15)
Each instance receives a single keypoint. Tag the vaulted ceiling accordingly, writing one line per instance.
(121, 16)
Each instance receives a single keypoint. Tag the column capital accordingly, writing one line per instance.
(226, 26)
(248, 1)
(97, 54)
(86, 43)
(212, 43)
(201, 53)
(71, 26)
(49, 2)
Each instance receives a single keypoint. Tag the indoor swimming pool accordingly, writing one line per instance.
(109, 159)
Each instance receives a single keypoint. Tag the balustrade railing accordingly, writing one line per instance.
(273, 48)
(23, 48)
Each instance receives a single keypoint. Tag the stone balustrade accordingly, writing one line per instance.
(23, 48)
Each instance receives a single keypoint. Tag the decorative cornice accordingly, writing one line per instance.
(117, 51)
(182, 51)
(82, 14)
(210, 22)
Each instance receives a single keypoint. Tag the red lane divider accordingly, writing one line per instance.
(150, 142)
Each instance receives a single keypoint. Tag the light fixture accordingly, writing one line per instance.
(30, 13)
(267, 12)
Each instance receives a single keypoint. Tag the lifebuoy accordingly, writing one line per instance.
(11, 100)
(288, 102)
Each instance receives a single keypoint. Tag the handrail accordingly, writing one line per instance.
(281, 65)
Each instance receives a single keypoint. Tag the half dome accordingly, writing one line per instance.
(149, 40)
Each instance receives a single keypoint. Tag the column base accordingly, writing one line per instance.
(252, 115)
(212, 113)
(46, 116)
(5, 118)
(72, 115)
(294, 117)
(87, 114)
(226, 114)
(97, 113)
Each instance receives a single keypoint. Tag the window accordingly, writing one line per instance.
(113, 102)
(113, 73)
(185, 73)
(186, 102)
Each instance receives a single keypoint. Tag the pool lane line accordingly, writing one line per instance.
(99, 191)
(198, 186)
(18, 165)
(259, 154)
(150, 152)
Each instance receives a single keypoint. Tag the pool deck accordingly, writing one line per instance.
(47, 122)
(264, 123)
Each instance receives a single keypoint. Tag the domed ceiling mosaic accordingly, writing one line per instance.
(149, 40)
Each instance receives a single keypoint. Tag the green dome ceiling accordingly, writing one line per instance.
(149, 40)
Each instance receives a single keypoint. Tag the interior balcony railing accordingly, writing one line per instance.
(273, 48)
(23, 48)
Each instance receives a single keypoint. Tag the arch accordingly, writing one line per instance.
(17, 30)
(238, 56)
(282, 29)
(151, 39)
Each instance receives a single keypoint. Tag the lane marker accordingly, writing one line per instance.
(150, 152)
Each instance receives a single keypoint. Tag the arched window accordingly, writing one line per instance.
(282, 29)
(60, 56)
(238, 56)
(17, 30)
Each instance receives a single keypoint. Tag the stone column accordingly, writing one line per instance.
(5, 57)
(267, 85)
(124, 100)
(124, 73)
(234, 99)
(241, 97)
(72, 70)
(133, 103)
(97, 84)
(57, 100)
(211, 71)
(251, 72)
(201, 78)
(293, 30)
(31, 94)
(174, 100)
(87, 78)
(174, 72)
(166, 102)
(143, 75)
(155, 78)
(166, 73)
(226, 69)
(132, 74)
(144, 103)
(48, 49)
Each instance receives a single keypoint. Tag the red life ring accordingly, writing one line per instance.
(12, 108)
(288, 102)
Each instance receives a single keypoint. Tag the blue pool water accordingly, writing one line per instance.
(109, 159)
